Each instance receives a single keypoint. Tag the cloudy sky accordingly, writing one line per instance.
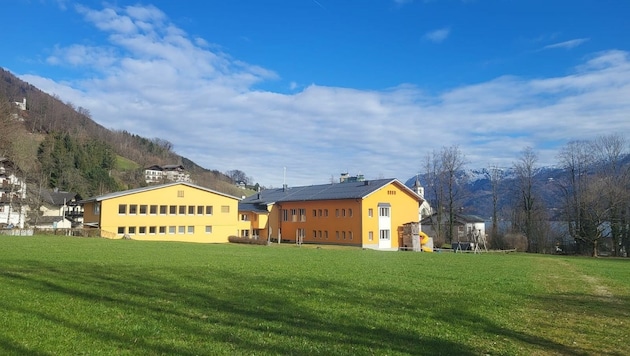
(321, 87)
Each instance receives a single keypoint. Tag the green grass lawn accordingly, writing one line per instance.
(72, 296)
(125, 164)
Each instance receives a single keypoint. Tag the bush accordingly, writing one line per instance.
(246, 240)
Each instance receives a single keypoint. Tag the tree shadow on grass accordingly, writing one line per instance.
(216, 310)
(256, 315)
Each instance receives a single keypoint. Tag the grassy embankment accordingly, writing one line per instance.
(70, 296)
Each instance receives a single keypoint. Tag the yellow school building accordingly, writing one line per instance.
(368, 214)
(177, 211)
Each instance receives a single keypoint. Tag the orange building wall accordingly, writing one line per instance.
(313, 225)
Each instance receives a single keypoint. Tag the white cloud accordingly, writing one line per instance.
(161, 82)
(438, 36)
(567, 44)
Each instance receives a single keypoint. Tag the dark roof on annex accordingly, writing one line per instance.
(338, 191)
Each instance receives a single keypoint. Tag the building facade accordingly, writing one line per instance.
(12, 196)
(366, 213)
(178, 211)
(167, 173)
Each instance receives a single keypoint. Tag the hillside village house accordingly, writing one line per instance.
(12, 196)
(166, 173)
(178, 211)
(364, 213)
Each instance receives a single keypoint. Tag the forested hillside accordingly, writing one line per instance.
(57, 145)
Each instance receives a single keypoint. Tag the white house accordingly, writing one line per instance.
(170, 172)
(12, 196)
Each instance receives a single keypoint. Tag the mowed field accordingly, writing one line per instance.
(77, 296)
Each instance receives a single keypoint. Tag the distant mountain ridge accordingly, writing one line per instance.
(479, 188)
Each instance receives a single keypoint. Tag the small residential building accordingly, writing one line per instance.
(12, 196)
(166, 173)
(58, 209)
(365, 213)
(178, 211)
(467, 227)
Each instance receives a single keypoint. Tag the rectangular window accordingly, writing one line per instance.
(350, 212)
(244, 217)
(337, 234)
(285, 215)
(383, 211)
(337, 212)
(121, 230)
(370, 212)
(182, 210)
(208, 209)
(97, 208)
(319, 234)
(153, 209)
(326, 234)
(171, 229)
(319, 212)
(314, 234)
(172, 209)
(293, 215)
(122, 208)
(370, 235)
(133, 209)
(143, 209)
(180, 193)
(208, 229)
(244, 233)
(350, 234)
(132, 230)
(181, 229)
(142, 230)
(191, 210)
(343, 235)
(384, 234)
(200, 210)
(302, 215)
(343, 212)
(325, 212)
(152, 230)
(314, 213)
(162, 230)
(162, 209)
(191, 229)
(225, 208)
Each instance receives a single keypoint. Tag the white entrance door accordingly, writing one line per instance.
(384, 226)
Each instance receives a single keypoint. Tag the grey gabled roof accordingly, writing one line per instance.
(459, 218)
(149, 188)
(351, 190)
(58, 198)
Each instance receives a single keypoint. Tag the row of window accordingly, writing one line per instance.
(296, 215)
(142, 209)
(161, 230)
(341, 235)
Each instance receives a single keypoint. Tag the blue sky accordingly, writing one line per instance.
(323, 87)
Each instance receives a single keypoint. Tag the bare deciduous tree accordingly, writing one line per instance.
(529, 214)
(448, 187)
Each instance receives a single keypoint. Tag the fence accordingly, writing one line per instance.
(59, 232)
